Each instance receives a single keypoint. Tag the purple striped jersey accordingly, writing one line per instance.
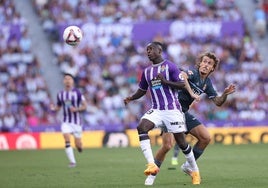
(163, 97)
(70, 98)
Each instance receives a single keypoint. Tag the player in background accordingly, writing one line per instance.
(72, 102)
(162, 80)
(199, 81)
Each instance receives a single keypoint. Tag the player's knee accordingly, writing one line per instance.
(145, 126)
(205, 139)
(142, 129)
(167, 147)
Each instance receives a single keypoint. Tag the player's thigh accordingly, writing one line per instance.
(154, 116)
(76, 131)
(66, 130)
(201, 133)
(191, 121)
(174, 121)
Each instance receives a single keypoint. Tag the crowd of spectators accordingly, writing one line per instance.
(260, 17)
(23, 90)
(108, 68)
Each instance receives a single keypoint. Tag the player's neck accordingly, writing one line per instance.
(68, 88)
(158, 60)
(203, 76)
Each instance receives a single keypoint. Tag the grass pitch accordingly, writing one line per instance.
(221, 166)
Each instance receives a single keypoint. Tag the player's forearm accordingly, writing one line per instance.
(83, 107)
(220, 100)
(139, 93)
(175, 85)
(188, 88)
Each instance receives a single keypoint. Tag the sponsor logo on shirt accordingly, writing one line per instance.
(156, 84)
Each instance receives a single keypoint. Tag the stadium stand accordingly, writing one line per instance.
(24, 93)
(109, 60)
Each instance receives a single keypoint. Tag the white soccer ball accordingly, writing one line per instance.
(72, 35)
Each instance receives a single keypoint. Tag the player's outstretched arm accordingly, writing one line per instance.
(219, 100)
(138, 94)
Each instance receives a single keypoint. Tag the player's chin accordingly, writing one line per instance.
(204, 72)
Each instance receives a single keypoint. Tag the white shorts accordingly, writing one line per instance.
(72, 128)
(173, 120)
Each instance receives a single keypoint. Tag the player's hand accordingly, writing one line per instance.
(229, 90)
(73, 109)
(127, 100)
(162, 78)
(183, 75)
(190, 72)
(195, 96)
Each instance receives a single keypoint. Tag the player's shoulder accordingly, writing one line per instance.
(192, 72)
(208, 81)
(60, 92)
(167, 61)
(171, 64)
(76, 90)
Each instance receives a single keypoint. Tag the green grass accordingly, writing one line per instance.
(236, 166)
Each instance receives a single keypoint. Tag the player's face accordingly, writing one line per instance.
(153, 52)
(206, 66)
(68, 81)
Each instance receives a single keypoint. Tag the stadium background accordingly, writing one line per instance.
(110, 58)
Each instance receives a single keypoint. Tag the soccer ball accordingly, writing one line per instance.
(72, 35)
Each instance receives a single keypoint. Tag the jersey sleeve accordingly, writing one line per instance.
(191, 74)
(210, 91)
(174, 73)
(143, 85)
(59, 101)
(80, 96)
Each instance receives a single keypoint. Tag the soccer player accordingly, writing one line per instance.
(162, 79)
(73, 102)
(200, 83)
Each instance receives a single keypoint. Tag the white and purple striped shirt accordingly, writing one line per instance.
(70, 98)
(163, 97)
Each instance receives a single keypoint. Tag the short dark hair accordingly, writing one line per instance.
(158, 44)
(68, 74)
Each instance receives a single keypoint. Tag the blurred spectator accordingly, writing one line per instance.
(260, 20)
(21, 82)
(9, 122)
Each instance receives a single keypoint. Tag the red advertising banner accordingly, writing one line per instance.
(18, 141)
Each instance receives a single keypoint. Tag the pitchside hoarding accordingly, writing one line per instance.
(128, 138)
